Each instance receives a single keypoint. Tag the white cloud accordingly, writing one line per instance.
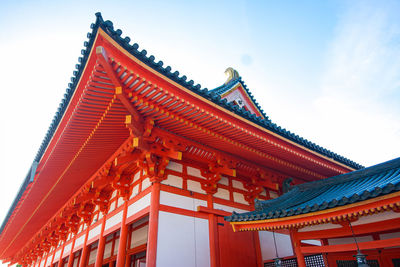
(361, 83)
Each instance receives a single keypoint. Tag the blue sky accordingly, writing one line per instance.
(327, 70)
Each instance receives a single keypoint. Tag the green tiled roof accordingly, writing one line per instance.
(328, 193)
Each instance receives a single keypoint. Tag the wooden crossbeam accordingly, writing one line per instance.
(137, 123)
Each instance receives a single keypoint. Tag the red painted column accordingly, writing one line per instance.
(257, 245)
(151, 256)
(61, 261)
(85, 250)
(212, 226)
(71, 253)
(52, 257)
(122, 238)
(45, 260)
(102, 242)
(296, 245)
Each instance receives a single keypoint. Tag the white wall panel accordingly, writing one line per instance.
(224, 180)
(136, 177)
(222, 193)
(94, 232)
(179, 201)
(173, 180)
(145, 183)
(389, 235)
(238, 184)
(175, 166)
(79, 241)
(67, 249)
(182, 241)
(135, 191)
(117, 218)
(139, 205)
(239, 198)
(195, 187)
(283, 244)
(349, 240)
(312, 242)
(194, 172)
(57, 255)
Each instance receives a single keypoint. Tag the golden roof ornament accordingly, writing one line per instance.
(232, 74)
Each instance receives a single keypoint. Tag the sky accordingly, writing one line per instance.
(328, 71)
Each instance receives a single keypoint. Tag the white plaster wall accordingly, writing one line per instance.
(139, 236)
(94, 232)
(389, 235)
(239, 198)
(182, 241)
(179, 201)
(117, 218)
(349, 240)
(145, 183)
(57, 255)
(222, 193)
(224, 181)
(135, 191)
(194, 172)
(173, 180)
(120, 201)
(139, 205)
(312, 242)
(79, 241)
(283, 244)
(195, 187)
(136, 177)
(175, 166)
(67, 249)
(238, 184)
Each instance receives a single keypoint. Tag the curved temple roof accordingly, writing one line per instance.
(378, 180)
(212, 95)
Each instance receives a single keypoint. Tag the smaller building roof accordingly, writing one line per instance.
(329, 193)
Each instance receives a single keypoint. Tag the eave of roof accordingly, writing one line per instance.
(107, 26)
(341, 190)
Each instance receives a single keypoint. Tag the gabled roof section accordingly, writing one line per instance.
(357, 186)
(235, 91)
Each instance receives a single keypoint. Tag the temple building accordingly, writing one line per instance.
(141, 167)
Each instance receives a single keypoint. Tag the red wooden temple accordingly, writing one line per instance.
(140, 166)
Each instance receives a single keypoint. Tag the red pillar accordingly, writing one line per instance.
(84, 255)
(60, 261)
(122, 238)
(71, 253)
(212, 233)
(45, 260)
(153, 225)
(258, 249)
(52, 257)
(102, 242)
(297, 250)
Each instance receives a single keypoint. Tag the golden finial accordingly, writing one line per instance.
(232, 74)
